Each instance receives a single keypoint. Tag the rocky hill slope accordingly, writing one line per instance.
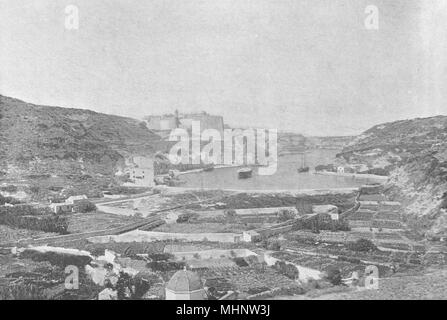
(415, 154)
(52, 140)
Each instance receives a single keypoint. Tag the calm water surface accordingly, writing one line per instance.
(286, 176)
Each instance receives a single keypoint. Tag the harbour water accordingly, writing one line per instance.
(285, 178)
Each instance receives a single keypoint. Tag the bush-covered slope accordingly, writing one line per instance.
(42, 139)
(415, 151)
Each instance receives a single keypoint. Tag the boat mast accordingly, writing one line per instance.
(303, 160)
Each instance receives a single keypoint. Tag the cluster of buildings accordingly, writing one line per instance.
(69, 205)
(165, 123)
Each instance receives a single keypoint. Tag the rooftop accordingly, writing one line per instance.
(184, 281)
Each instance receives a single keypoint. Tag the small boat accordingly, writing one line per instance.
(210, 168)
(244, 173)
(304, 169)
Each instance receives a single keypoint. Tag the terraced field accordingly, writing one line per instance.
(432, 285)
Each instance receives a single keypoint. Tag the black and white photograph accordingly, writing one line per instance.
(243, 151)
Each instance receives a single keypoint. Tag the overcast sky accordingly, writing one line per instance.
(309, 66)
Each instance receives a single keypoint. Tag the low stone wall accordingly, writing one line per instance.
(214, 254)
(151, 236)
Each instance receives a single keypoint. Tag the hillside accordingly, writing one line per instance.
(415, 154)
(52, 140)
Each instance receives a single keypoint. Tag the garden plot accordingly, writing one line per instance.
(366, 205)
(322, 264)
(252, 281)
(402, 246)
(387, 216)
(340, 237)
(360, 224)
(11, 235)
(387, 224)
(200, 227)
(151, 236)
(390, 205)
(372, 197)
(362, 215)
(93, 221)
(388, 236)
(213, 254)
(213, 264)
(355, 235)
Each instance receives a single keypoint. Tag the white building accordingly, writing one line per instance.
(340, 170)
(185, 285)
(251, 236)
(61, 207)
(76, 199)
(326, 209)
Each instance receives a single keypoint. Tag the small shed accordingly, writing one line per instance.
(76, 199)
(58, 208)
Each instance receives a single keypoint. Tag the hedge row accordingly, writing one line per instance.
(28, 217)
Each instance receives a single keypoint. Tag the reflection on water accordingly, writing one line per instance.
(286, 176)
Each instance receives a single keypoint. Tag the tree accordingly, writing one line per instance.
(271, 245)
(85, 206)
(287, 269)
(362, 245)
(333, 275)
(291, 271)
(285, 215)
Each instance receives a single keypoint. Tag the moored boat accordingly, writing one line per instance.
(245, 173)
(304, 169)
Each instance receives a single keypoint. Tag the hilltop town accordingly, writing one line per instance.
(97, 194)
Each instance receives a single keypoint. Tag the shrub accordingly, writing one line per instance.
(165, 265)
(322, 222)
(273, 245)
(85, 206)
(56, 258)
(34, 189)
(28, 217)
(9, 188)
(9, 200)
(160, 256)
(240, 262)
(22, 292)
(285, 215)
(183, 218)
(287, 269)
(230, 213)
(362, 245)
(376, 171)
(444, 201)
(291, 271)
(130, 288)
(333, 275)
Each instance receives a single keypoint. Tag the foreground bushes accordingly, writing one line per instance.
(333, 275)
(85, 207)
(9, 200)
(9, 188)
(28, 217)
(322, 223)
(164, 266)
(22, 292)
(57, 259)
(444, 201)
(287, 269)
(362, 245)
